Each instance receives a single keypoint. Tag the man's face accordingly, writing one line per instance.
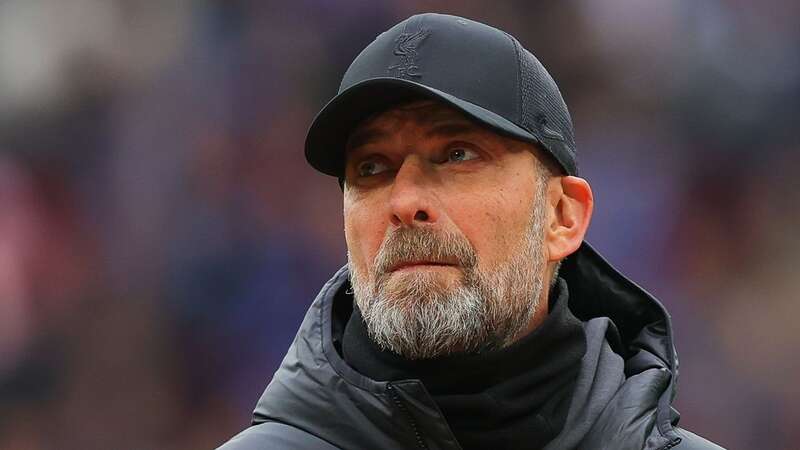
(444, 223)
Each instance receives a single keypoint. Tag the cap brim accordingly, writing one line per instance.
(328, 134)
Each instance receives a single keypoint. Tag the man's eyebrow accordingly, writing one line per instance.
(447, 128)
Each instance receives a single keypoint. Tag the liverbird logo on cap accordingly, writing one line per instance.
(406, 50)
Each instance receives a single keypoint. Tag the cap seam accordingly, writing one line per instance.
(519, 76)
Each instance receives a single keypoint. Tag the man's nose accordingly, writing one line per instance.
(411, 202)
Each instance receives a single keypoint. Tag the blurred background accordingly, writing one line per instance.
(161, 235)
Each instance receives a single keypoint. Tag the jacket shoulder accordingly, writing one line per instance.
(276, 435)
(691, 441)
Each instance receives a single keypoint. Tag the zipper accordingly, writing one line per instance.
(402, 407)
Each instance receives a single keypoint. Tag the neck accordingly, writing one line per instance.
(539, 316)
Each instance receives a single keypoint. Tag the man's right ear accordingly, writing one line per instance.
(571, 203)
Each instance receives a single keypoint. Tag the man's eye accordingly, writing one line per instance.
(459, 154)
(370, 167)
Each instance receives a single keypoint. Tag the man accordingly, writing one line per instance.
(471, 313)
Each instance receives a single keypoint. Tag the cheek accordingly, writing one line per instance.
(363, 234)
(494, 224)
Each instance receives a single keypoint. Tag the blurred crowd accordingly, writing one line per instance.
(161, 235)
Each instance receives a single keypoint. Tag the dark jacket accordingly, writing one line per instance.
(622, 398)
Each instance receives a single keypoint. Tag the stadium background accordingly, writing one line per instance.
(161, 235)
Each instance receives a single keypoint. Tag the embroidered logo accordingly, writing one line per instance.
(406, 50)
(541, 122)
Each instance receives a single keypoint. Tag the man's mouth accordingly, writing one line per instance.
(410, 265)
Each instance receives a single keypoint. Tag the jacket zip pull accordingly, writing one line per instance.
(400, 405)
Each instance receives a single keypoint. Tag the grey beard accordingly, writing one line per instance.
(418, 316)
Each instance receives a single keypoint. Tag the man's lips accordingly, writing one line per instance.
(413, 264)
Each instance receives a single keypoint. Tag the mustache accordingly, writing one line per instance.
(424, 244)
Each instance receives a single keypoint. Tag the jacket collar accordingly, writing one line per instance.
(597, 289)
(313, 375)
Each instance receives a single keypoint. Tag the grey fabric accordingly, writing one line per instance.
(599, 379)
(622, 399)
(691, 441)
(274, 435)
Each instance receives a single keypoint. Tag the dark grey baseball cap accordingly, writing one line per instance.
(480, 70)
